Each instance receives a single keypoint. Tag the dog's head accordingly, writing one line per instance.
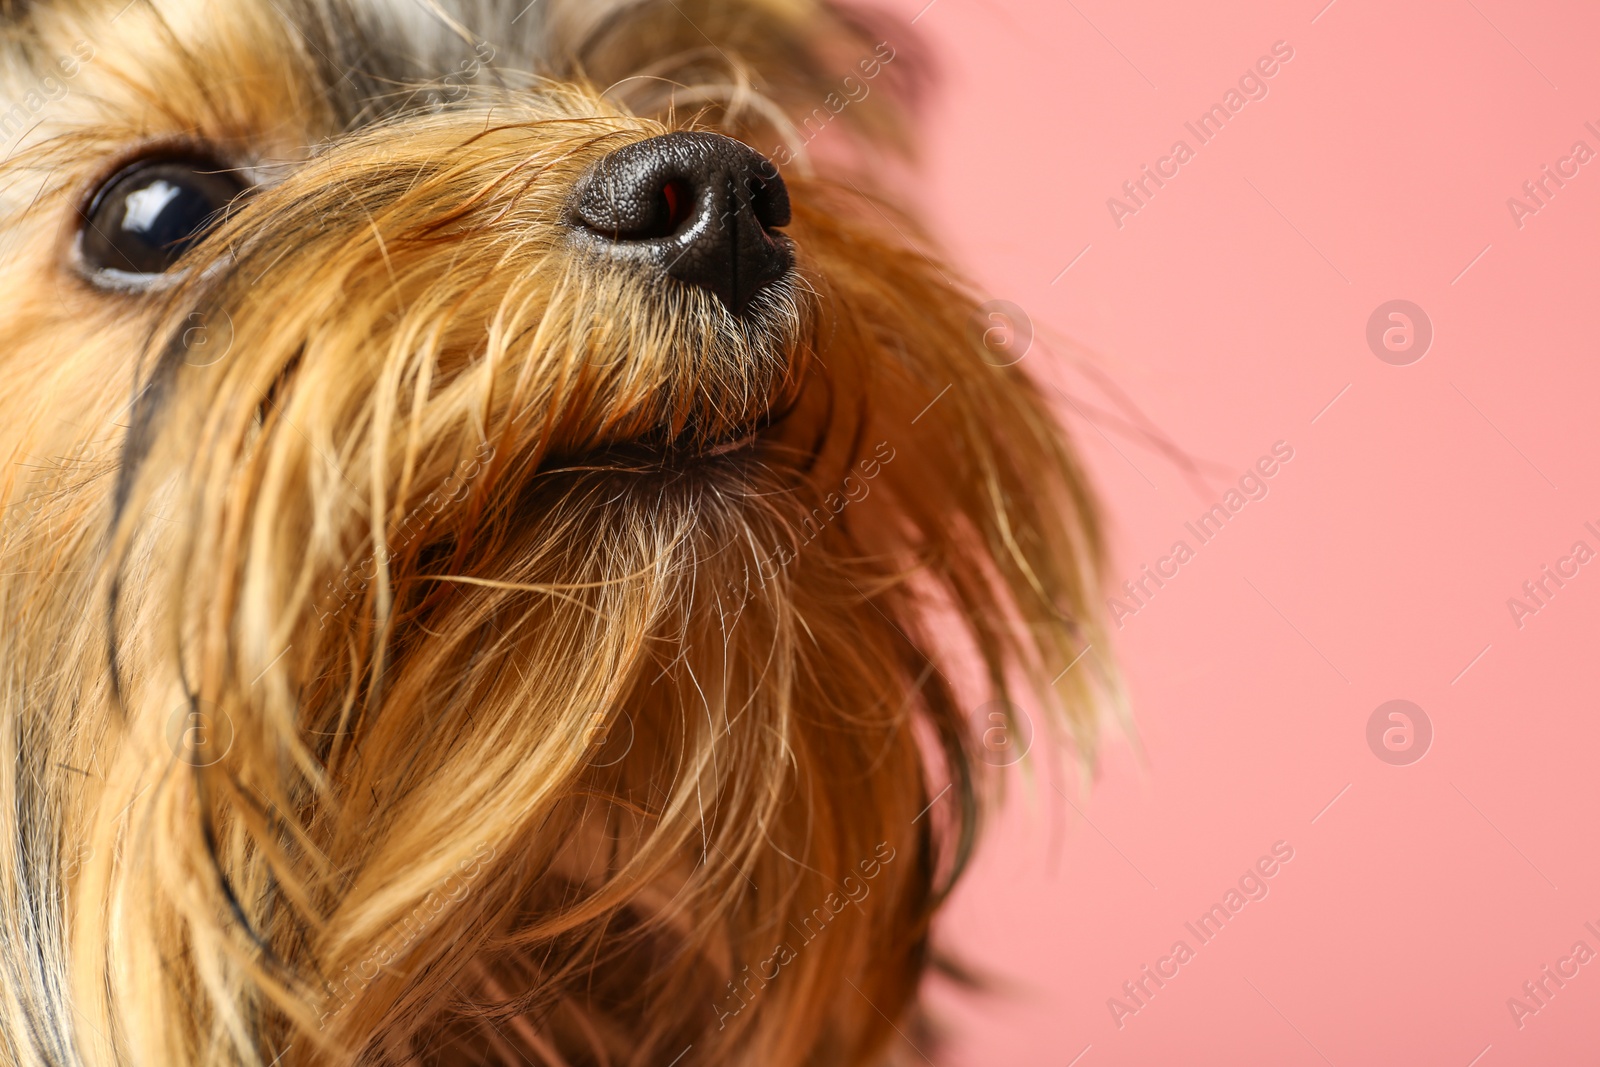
(473, 536)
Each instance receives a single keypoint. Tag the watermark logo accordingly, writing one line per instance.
(200, 733)
(608, 739)
(74, 864)
(1399, 733)
(206, 341)
(1004, 732)
(1002, 333)
(1399, 332)
(599, 348)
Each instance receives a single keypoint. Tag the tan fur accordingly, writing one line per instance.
(438, 526)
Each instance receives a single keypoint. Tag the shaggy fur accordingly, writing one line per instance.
(423, 642)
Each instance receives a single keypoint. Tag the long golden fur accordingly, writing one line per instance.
(406, 654)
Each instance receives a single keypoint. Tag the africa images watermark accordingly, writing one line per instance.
(744, 986)
(467, 71)
(1539, 991)
(851, 90)
(1399, 732)
(1252, 85)
(1537, 592)
(1251, 886)
(856, 487)
(17, 116)
(54, 479)
(1252, 485)
(357, 976)
(1538, 192)
(352, 583)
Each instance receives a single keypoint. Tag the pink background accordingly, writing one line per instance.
(1232, 309)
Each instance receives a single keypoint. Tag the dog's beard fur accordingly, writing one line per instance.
(567, 647)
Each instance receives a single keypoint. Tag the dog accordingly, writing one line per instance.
(504, 526)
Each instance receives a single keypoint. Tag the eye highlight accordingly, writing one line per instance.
(142, 220)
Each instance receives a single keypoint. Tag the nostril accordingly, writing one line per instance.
(638, 210)
(698, 207)
(677, 203)
(772, 211)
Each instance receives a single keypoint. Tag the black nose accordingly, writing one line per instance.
(699, 206)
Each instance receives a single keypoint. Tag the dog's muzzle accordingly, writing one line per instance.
(700, 207)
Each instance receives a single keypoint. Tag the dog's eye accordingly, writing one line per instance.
(151, 213)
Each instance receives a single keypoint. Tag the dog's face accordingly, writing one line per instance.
(471, 529)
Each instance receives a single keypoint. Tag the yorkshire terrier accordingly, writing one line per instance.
(503, 527)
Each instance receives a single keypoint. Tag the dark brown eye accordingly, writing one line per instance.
(150, 214)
